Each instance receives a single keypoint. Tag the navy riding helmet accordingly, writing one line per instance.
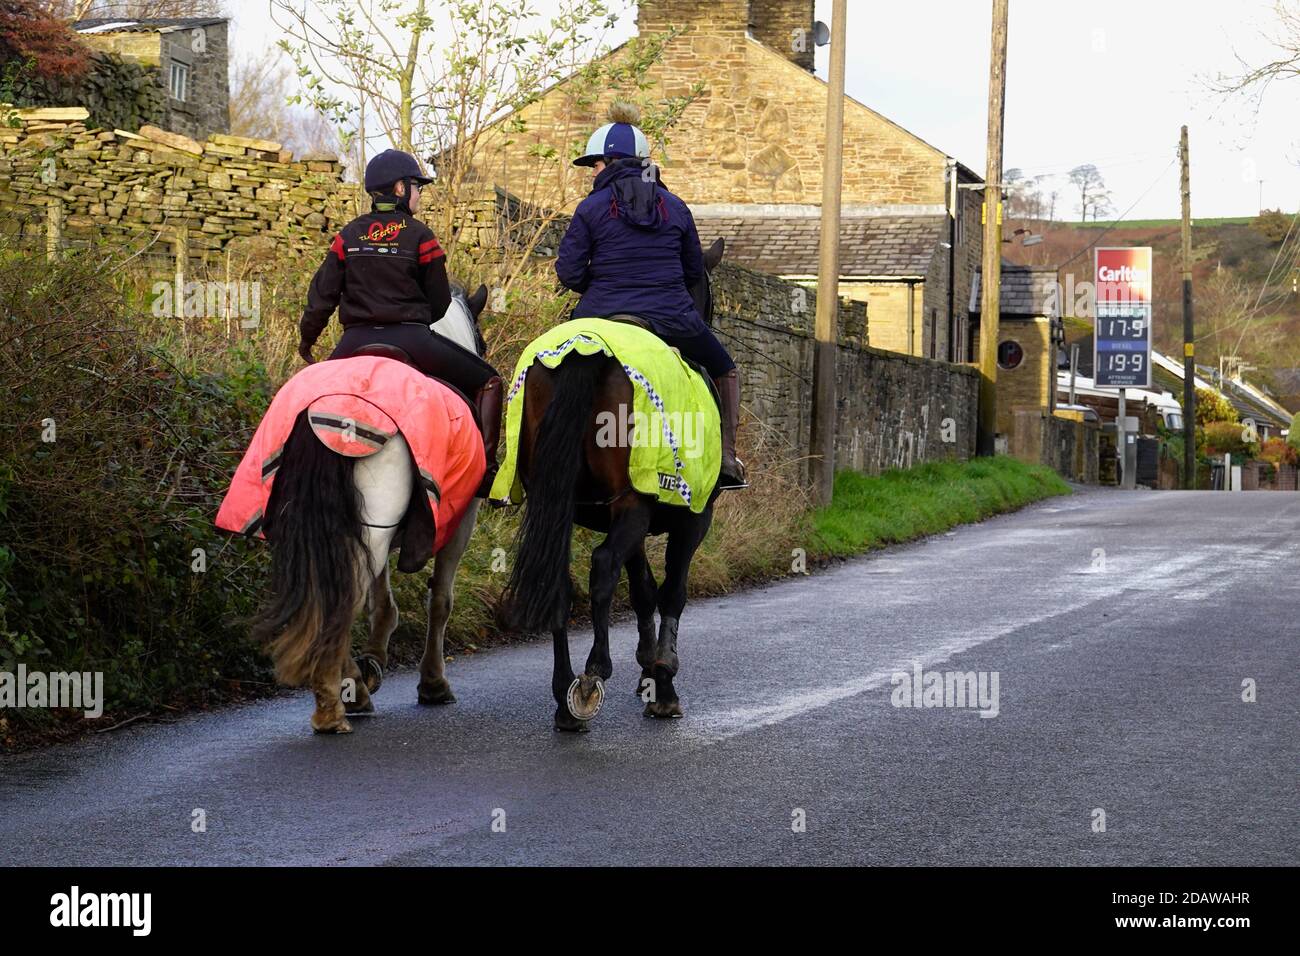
(393, 166)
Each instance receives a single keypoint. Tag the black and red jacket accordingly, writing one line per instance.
(383, 268)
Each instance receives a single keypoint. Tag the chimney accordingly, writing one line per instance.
(785, 27)
(713, 16)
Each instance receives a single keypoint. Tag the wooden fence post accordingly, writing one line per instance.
(53, 229)
(181, 250)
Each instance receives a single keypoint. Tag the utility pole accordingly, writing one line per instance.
(1189, 338)
(828, 273)
(991, 298)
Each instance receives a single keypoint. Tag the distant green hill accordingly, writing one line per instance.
(1160, 223)
(1246, 284)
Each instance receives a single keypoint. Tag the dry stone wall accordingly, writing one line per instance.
(892, 410)
(115, 185)
(117, 93)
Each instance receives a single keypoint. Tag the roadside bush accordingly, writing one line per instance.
(111, 465)
(1229, 438)
(1277, 451)
(1213, 407)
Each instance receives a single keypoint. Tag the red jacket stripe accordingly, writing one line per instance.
(337, 246)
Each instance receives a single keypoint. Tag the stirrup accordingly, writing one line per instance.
(728, 482)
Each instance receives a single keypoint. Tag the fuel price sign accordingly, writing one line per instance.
(1122, 356)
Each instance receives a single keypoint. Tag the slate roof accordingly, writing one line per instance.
(131, 25)
(1242, 396)
(896, 243)
(1251, 403)
(1027, 291)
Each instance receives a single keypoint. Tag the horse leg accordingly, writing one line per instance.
(643, 591)
(383, 622)
(683, 540)
(629, 524)
(561, 681)
(355, 693)
(327, 687)
(434, 688)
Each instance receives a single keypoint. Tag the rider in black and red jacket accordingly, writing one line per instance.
(386, 275)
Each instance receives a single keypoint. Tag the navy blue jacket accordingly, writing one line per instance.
(632, 247)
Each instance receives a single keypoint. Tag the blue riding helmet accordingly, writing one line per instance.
(620, 138)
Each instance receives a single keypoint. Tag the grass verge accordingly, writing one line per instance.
(872, 511)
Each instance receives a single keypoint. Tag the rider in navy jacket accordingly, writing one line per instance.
(632, 249)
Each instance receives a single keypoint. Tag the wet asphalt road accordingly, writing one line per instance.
(1119, 689)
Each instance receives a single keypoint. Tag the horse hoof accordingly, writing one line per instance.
(585, 697)
(372, 672)
(663, 709)
(360, 708)
(335, 726)
(435, 694)
(565, 722)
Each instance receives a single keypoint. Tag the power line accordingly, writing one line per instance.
(1253, 314)
(1122, 217)
(1052, 170)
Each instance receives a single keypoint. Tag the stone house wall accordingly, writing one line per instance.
(1032, 384)
(205, 50)
(754, 136)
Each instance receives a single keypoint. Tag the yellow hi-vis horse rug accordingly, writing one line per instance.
(673, 428)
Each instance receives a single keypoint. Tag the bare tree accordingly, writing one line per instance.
(261, 86)
(463, 102)
(1254, 80)
(1229, 321)
(134, 9)
(1092, 190)
(1025, 198)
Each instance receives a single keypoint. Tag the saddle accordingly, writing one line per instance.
(398, 354)
(628, 319)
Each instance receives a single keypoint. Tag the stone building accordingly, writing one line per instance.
(1030, 334)
(191, 57)
(747, 156)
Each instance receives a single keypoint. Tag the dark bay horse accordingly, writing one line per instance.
(570, 478)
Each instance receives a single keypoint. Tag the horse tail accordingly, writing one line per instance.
(539, 580)
(317, 549)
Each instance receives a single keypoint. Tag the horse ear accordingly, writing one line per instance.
(713, 255)
(477, 300)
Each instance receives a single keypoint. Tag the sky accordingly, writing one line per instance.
(1109, 82)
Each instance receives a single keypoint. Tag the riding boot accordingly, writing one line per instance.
(488, 403)
(733, 470)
